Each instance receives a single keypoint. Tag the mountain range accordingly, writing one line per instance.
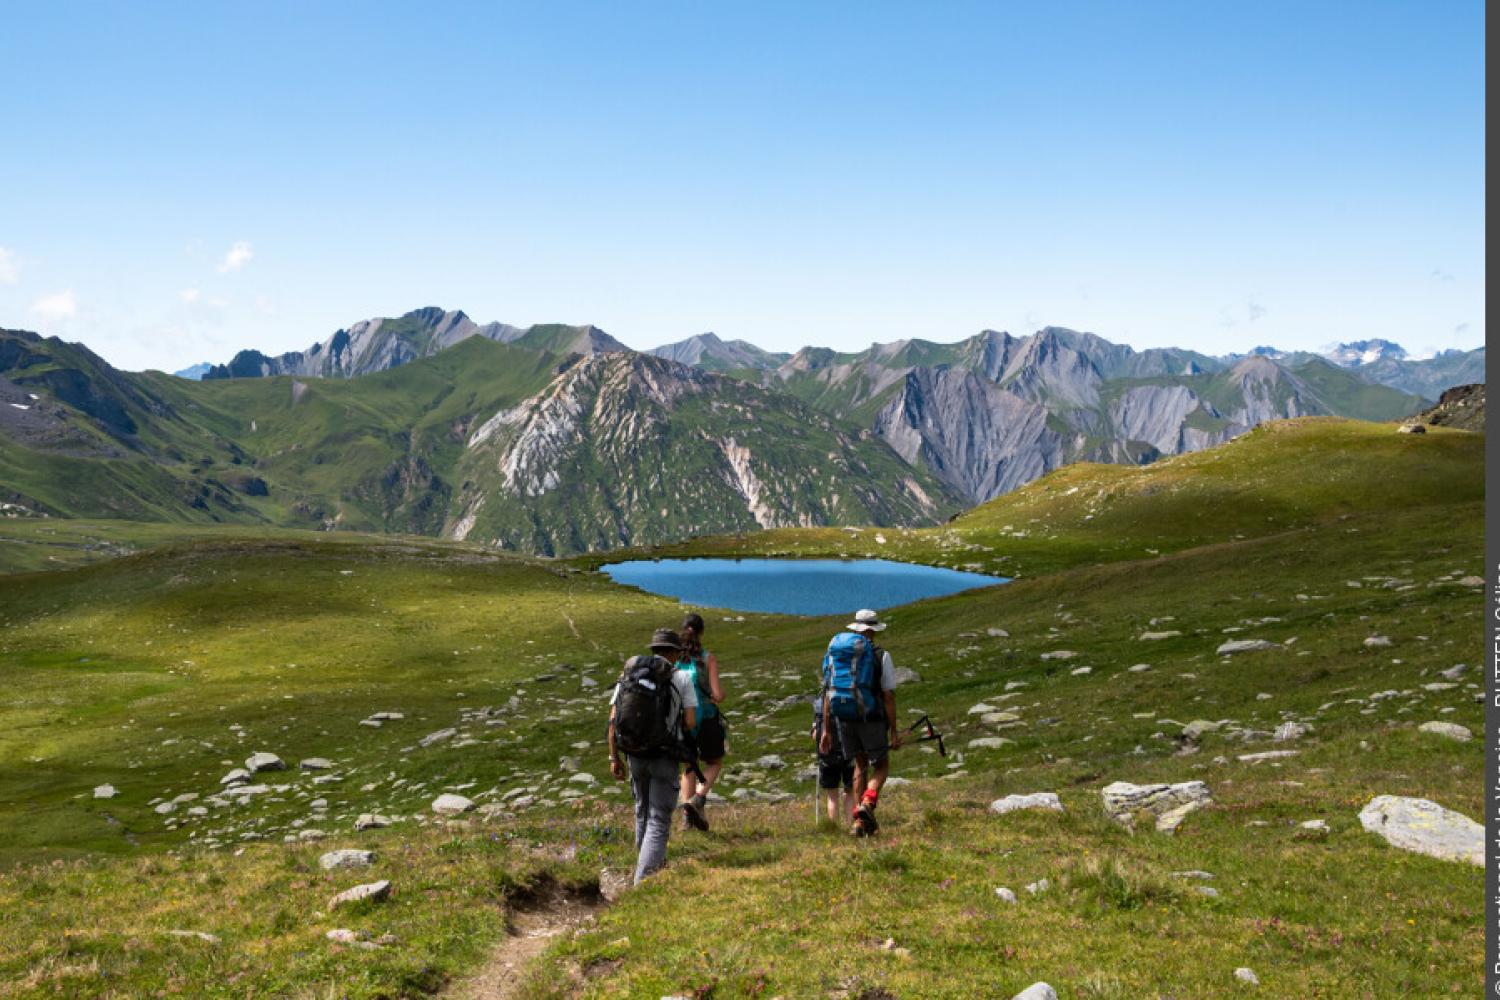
(556, 438)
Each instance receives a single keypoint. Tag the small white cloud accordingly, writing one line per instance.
(10, 267)
(1254, 310)
(56, 307)
(238, 256)
(190, 295)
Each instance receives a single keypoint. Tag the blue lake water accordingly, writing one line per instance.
(795, 586)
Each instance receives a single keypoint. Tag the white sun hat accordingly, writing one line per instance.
(866, 620)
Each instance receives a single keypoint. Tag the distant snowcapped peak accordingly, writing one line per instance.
(1364, 352)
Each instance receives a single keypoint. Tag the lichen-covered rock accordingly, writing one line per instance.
(347, 858)
(1170, 804)
(263, 761)
(1425, 827)
(373, 892)
(1035, 800)
(1451, 730)
(449, 804)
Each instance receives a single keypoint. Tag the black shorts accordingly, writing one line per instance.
(711, 738)
(835, 771)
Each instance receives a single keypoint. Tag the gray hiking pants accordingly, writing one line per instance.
(654, 780)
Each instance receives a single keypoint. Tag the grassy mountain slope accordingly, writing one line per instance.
(396, 450)
(159, 671)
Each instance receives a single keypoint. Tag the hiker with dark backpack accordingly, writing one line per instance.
(859, 711)
(834, 769)
(652, 710)
(710, 738)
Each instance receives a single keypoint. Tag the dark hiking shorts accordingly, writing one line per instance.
(873, 739)
(711, 738)
(834, 771)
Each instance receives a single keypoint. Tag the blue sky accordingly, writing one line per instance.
(181, 181)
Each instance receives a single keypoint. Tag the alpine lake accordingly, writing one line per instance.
(811, 587)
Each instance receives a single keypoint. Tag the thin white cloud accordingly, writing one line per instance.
(56, 307)
(190, 295)
(10, 267)
(238, 256)
(1254, 310)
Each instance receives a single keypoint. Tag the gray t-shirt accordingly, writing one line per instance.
(687, 697)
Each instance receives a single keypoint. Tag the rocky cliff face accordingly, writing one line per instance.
(376, 345)
(668, 451)
(978, 438)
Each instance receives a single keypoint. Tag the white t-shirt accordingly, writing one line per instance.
(687, 697)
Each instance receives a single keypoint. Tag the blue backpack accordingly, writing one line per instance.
(851, 677)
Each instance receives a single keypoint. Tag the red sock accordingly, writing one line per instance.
(872, 796)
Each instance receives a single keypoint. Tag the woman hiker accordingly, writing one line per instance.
(702, 667)
(654, 705)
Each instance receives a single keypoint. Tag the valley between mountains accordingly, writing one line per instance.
(558, 439)
(1285, 626)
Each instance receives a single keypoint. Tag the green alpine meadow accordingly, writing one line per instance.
(386, 671)
(588, 501)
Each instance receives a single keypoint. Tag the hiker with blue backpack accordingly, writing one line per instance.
(859, 712)
(710, 738)
(652, 714)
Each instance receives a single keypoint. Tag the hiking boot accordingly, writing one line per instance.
(865, 815)
(858, 828)
(694, 815)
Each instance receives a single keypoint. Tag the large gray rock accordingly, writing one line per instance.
(1451, 730)
(374, 892)
(238, 776)
(1425, 827)
(1245, 646)
(263, 761)
(316, 763)
(371, 821)
(1170, 804)
(449, 804)
(1035, 800)
(1036, 991)
(437, 737)
(990, 743)
(347, 858)
(105, 792)
(906, 675)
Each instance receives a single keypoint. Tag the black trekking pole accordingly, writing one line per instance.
(928, 734)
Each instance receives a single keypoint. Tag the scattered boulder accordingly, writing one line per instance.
(238, 776)
(1157, 636)
(347, 858)
(1245, 646)
(1139, 668)
(105, 792)
(203, 936)
(990, 743)
(1036, 991)
(1425, 827)
(1035, 800)
(1060, 654)
(997, 633)
(437, 737)
(374, 892)
(316, 764)
(1006, 895)
(1288, 731)
(1170, 804)
(770, 762)
(1256, 758)
(343, 935)
(1081, 671)
(1194, 730)
(613, 882)
(1405, 429)
(1377, 642)
(1039, 886)
(582, 778)
(906, 675)
(371, 821)
(263, 761)
(1244, 974)
(1451, 730)
(999, 718)
(449, 804)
